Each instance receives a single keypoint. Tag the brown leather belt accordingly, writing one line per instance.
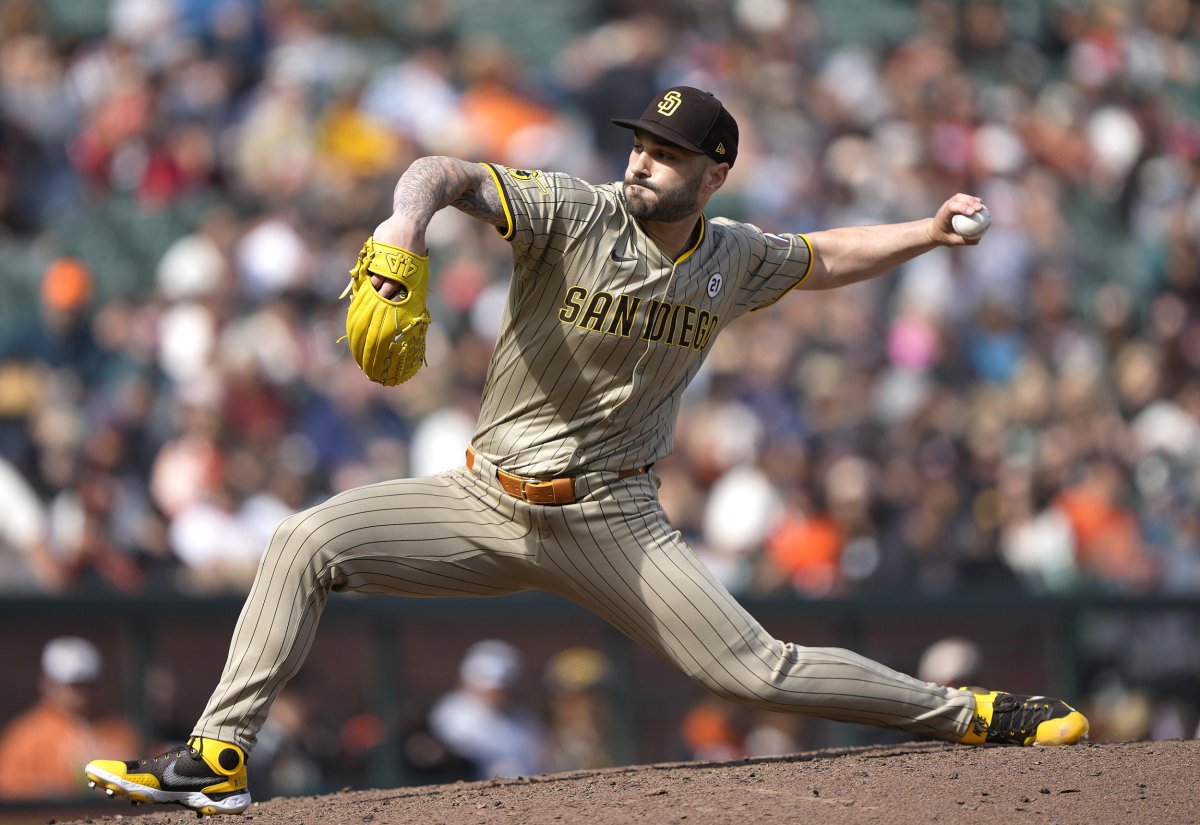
(556, 491)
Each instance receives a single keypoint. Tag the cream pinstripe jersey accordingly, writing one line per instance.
(602, 331)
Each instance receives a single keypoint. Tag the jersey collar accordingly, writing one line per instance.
(699, 240)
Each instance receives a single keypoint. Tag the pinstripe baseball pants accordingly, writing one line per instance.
(612, 551)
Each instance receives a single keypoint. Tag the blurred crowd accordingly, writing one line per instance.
(185, 183)
(503, 717)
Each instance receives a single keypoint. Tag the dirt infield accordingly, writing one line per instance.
(1089, 784)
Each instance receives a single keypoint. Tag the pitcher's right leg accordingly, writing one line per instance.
(441, 536)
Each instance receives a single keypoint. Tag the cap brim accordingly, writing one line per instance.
(659, 130)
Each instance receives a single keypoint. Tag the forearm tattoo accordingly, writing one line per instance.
(433, 183)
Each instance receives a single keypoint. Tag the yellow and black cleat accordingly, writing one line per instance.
(1013, 719)
(206, 775)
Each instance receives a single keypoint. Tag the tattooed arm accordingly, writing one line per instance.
(433, 183)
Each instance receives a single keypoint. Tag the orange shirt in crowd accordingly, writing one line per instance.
(1108, 542)
(43, 751)
(807, 551)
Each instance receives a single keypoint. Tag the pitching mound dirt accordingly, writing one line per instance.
(1089, 784)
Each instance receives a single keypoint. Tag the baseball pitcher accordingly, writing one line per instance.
(618, 292)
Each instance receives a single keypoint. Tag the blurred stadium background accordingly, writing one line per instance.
(998, 447)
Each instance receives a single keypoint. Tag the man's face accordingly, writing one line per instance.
(663, 182)
(75, 698)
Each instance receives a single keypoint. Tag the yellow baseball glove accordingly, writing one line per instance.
(387, 335)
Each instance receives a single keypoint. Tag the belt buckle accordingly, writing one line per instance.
(557, 491)
(530, 492)
(534, 491)
(549, 491)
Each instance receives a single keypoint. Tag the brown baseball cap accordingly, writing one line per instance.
(690, 118)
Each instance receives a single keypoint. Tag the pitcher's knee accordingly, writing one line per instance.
(302, 545)
(762, 677)
(748, 686)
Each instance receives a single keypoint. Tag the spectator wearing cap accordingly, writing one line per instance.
(41, 749)
(585, 732)
(481, 720)
(60, 335)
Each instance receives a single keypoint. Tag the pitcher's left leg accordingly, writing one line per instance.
(616, 554)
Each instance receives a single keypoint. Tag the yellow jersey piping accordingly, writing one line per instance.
(505, 233)
(700, 240)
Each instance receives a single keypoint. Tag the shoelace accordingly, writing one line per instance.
(169, 755)
(1015, 717)
(194, 752)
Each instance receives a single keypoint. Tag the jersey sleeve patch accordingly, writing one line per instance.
(529, 176)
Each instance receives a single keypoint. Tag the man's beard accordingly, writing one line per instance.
(672, 205)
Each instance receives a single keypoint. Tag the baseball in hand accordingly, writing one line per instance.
(972, 226)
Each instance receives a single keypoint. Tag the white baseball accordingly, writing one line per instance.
(972, 226)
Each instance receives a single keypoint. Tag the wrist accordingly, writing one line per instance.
(931, 234)
(402, 232)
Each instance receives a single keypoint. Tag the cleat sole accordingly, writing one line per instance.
(199, 802)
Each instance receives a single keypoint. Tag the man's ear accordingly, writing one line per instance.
(715, 176)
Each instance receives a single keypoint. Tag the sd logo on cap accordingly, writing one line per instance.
(692, 119)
